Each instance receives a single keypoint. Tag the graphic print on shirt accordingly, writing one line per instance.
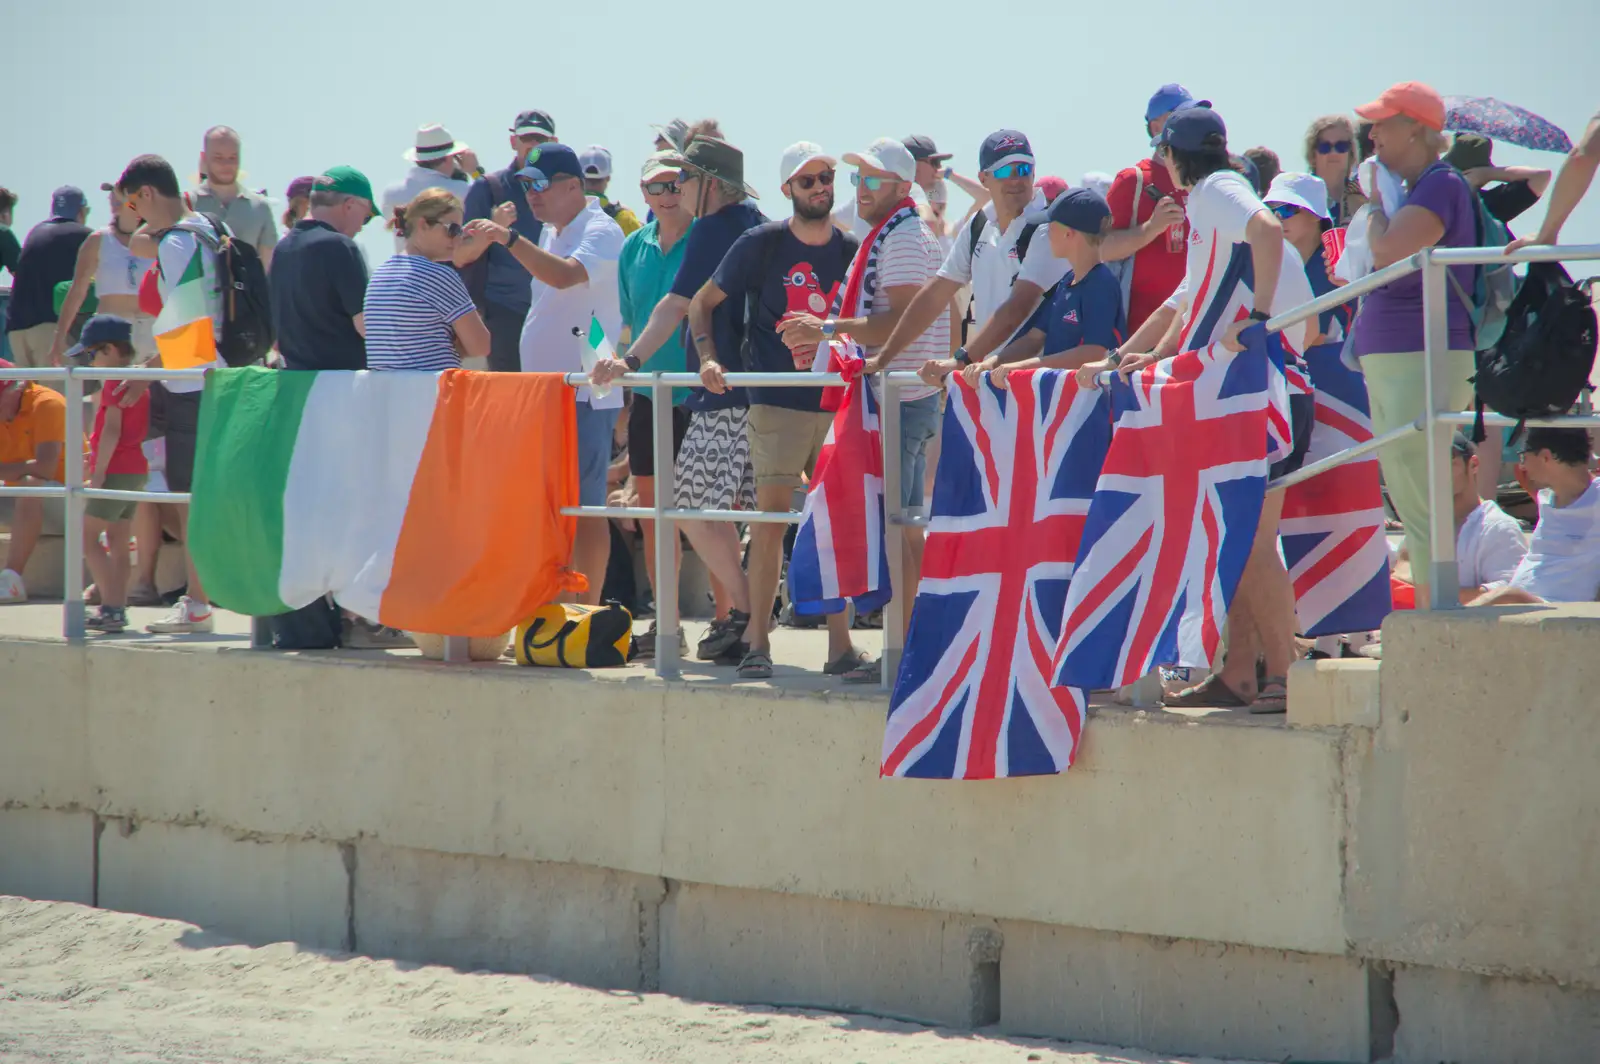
(804, 293)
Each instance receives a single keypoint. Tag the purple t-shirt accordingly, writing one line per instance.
(1391, 317)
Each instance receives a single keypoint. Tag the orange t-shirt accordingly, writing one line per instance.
(42, 418)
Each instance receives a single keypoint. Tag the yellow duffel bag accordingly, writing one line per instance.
(567, 635)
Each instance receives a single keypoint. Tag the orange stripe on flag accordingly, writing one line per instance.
(188, 346)
(484, 542)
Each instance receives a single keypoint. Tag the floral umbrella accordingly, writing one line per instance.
(1505, 122)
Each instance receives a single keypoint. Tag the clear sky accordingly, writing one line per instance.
(95, 82)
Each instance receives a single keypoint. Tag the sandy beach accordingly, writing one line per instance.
(89, 986)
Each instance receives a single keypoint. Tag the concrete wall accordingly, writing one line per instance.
(1415, 838)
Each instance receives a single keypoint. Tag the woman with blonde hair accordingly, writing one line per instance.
(418, 313)
(1439, 211)
(1331, 155)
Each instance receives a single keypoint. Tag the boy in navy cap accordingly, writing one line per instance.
(1085, 318)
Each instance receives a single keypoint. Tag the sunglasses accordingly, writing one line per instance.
(809, 181)
(1010, 170)
(452, 230)
(1330, 147)
(1284, 211)
(873, 183)
(661, 188)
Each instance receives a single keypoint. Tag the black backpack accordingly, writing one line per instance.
(1541, 363)
(247, 333)
(1024, 238)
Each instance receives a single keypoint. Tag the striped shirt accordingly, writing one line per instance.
(411, 305)
(910, 256)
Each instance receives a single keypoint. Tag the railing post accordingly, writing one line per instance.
(72, 505)
(457, 649)
(1443, 580)
(894, 611)
(666, 532)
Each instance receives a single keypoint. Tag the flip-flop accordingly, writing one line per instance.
(1208, 693)
(1272, 698)
(866, 672)
(850, 659)
(757, 665)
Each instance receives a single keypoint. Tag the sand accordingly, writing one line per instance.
(89, 986)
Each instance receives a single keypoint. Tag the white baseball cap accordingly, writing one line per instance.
(887, 155)
(1305, 191)
(797, 155)
(595, 161)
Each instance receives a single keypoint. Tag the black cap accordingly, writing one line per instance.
(922, 147)
(534, 122)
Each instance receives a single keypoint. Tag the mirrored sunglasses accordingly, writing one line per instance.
(1284, 211)
(1010, 170)
(873, 183)
(534, 184)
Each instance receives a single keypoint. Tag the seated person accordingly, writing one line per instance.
(33, 424)
(1563, 560)
(1489, 542)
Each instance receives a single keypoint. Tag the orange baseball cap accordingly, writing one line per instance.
(1419, 102)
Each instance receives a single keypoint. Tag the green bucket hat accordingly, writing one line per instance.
(349, 181)
(718, 159)
(1470, 151)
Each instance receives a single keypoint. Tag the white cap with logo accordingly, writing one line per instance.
(595, 161)
(1306, 191)
(797, 155)
(888, 155)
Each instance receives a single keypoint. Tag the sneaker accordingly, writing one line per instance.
(12, 589)
(722, 635)
(357, 634)
(187, 616)
(108, 619)
(144, 595)
(644, 644)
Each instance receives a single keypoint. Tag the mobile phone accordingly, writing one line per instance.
(1154, 193)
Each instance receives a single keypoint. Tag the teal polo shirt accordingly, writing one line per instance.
(644, 275)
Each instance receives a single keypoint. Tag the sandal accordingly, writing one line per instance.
(757, 665)
(866, 672)
(849, 660)
(1208, 693)
(1272, 698)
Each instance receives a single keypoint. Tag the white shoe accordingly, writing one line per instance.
(12, 588)
(187, 616)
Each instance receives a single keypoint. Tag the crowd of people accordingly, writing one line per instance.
(521, 269)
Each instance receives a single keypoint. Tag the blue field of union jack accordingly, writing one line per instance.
(973, 698)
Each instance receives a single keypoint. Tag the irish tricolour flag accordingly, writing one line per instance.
(183, 329)
(424, 501)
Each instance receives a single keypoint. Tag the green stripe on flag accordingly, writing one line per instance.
(249, 421)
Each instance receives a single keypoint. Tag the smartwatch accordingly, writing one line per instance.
(962, 358)
(1258, 315)
(1114, 357)
(632, 362)
(512, 236)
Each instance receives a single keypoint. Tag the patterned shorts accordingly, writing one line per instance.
(713, 471)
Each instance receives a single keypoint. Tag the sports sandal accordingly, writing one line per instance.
(1208, 693)
(866, 672)
(757, 665)
(1272, 698)
(851, 659)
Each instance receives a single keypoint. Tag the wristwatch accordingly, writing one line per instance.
(961, 357)
(512, 236)
(828, 329)
(632, 363)
(1114, 357)
(1259, 315)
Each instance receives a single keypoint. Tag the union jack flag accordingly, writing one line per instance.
(1332, 528)
(1174, 515)
(1017, 468)
(839, 550)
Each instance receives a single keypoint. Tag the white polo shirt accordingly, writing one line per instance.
(992, 267)
(557, 327)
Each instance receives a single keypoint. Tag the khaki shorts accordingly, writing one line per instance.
(785, 443)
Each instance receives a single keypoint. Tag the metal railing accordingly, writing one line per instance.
(1436, 420)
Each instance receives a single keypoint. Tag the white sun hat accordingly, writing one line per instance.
(434, 142)
(1306, 191)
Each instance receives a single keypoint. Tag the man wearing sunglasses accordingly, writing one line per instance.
(497, 282)
(780, 270)
(574, 268)
(319, 277)
(1008, 270)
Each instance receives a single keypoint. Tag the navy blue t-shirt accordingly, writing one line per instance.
(507, 284)
(709, 241)
(319, 285)
(1089, 311)
(792, 277)
(1334, 324)
(49, 256)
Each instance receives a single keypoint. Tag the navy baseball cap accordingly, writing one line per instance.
(67, 201)
(551, 160)
(1188, 128)
(1004, 146)
(103, 329)
(1169, 98)
(1082, 209)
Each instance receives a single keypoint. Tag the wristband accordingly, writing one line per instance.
(962, 358)
(1259, 315)
(512, 236)
(632, 362)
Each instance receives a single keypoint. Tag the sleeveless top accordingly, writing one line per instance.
(120, 270)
